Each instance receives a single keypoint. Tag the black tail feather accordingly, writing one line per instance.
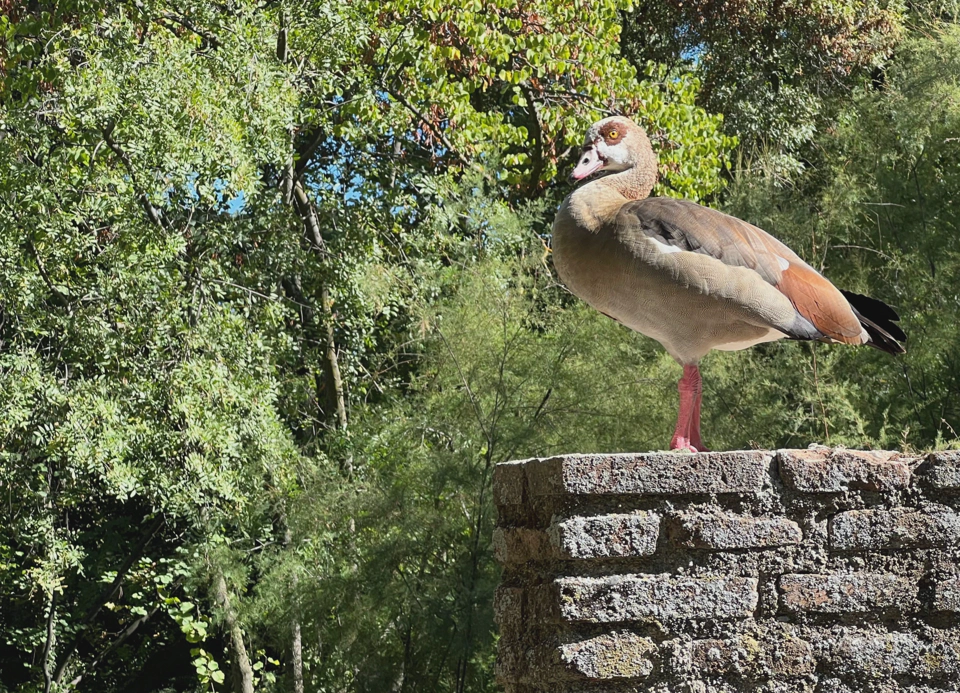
(879, 320)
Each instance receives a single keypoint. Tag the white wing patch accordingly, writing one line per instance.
(784, 263)
(666, 248)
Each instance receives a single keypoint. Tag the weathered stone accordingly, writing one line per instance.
(627, 535)
(509, 483)
(509, 613)
(895, 529)
(606, 536)
(616, 655)
(877, 654)
(510, 664)
(720, 530)
(823, 470)
(946, 594)
(777, 654)
(861, 684)
(508, 609)
(880, 655)
(513, 545)
(943, 469)
(649, 473)
(636, 597)
(719, 615)
(853, 592)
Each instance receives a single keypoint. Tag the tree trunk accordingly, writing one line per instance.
(241, 660)
(50, 643)
(296, 641)
(311, 224)
(297, 655)
(332, 366)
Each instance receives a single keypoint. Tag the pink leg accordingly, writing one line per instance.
(695, 439)
(686, 436)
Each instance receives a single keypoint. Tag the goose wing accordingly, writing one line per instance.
(680, 225)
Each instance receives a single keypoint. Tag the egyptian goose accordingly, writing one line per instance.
(691, 277)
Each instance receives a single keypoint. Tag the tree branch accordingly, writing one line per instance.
(190, 26)
(126, 633)
(438, 133)
(59, 295)
(306, 150)
(536, 157)
(308, 214)
(186, 23)
(106, 596)
(148, 207)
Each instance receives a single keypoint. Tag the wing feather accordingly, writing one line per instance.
(697, 229)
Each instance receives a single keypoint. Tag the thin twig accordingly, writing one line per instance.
(257, 293)
(148, 207)
(433, 128)
(862, 247)
(473, 400)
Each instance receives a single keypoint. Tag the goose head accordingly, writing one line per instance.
(617, 145)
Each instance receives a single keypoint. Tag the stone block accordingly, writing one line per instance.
(513, 545)
(721, 530)
(623, 598)
(650, 474)
(773, 653)
(508, 609)
(509, 483)
(899, 528)
(946, 594)
(606, 536)
(626, 535)
(943, 469)
(611, 656)
(509, 613)
(877, 654)
(884, 654)
(823, 470)
(845, 593)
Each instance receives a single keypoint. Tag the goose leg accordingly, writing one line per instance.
(686, 436)
(695, 439)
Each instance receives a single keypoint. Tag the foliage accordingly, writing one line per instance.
(504, 79)
(770, 68)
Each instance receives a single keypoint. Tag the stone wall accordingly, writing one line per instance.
(799, 570)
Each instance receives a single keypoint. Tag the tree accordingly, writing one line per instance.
(774, 69)
(218, 230)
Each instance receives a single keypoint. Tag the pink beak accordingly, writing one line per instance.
(590, 162)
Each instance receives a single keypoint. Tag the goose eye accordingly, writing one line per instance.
(613, 134)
